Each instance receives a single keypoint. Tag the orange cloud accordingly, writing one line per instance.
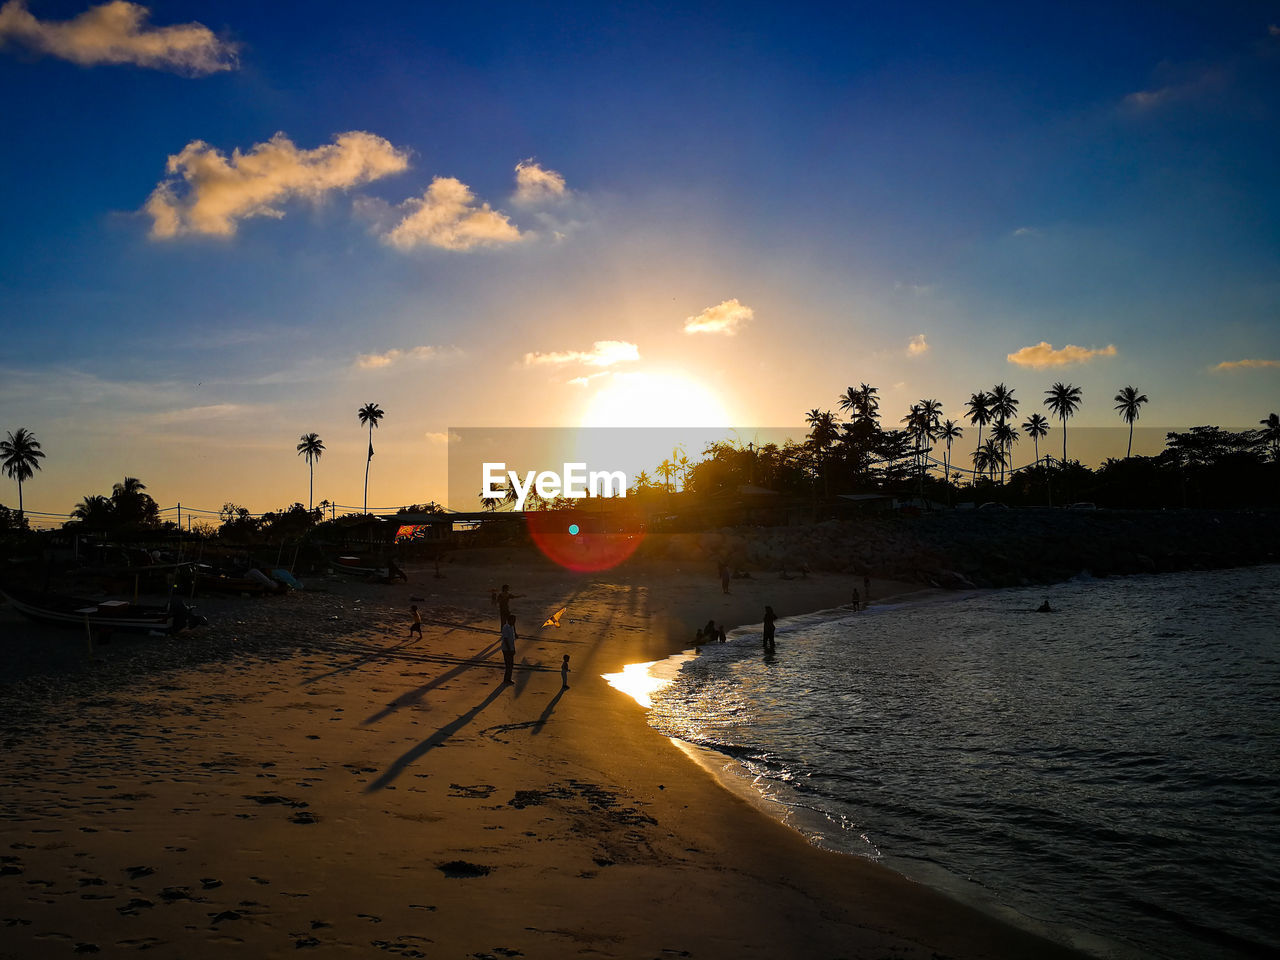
(1043, 355)
(375, 361)
(605, 353)
(535, 186)
(1247, 364)
(446, 217)
(117, 32)
(724, 317)
(917, 345)
(207, 192)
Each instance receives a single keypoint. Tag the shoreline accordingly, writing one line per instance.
(279, 790)
(728, 772)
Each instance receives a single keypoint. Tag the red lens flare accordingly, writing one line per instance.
(598, 544)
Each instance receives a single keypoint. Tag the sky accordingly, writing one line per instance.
(228, 225)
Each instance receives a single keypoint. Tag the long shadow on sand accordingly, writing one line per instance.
(413, 696)
(433, 741)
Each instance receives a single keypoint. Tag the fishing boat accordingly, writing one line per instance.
(359, 567)
(100, 615)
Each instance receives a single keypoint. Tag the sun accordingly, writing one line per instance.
(654, 399)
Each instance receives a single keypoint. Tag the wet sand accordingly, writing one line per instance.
(302, 776)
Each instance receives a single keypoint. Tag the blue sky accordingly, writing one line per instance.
(834, 183)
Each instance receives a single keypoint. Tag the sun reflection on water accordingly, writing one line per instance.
(637, 682)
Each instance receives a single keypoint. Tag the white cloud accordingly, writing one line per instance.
(1247, 364)
(586, 379)
(605, 353)
(446, 217)
(442, 436)
(1026, 232)
(535, 186)
(202, 414)
(207, 192)
(724, 317)
(917, 345)
(1043, 355)
(117, 32)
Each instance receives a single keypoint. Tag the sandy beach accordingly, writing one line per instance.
(300, 775)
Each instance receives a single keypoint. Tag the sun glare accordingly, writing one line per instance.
(653, 400)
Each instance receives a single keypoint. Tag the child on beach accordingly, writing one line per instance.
(416, 626)
(564, 673)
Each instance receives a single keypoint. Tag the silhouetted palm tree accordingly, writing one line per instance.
(950, 430)
(823, 434)
(1128, 400)
(862, 403)
(94, 511)
(1271, 434)
(312, 447)
(1004, 434)
(370, 413)
(1036, 427)
(1003, 406)
(979, 405)
(20, 455)
(1063, 399)
(988, 458)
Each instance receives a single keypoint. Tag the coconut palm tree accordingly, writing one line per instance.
(1271, 434)
(311, 446)
(94, 511)
(988, 458)
(1063, 399)
(950, 430)
(862, 403)
(20, 455)
(1004, 434)
(823, 434)
(1003, 405)
(1036, 427)
(1128, 400)
(979, 405)
(370, 413)
(666, 468)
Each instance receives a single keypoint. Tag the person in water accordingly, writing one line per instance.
(1044, 608)
(769, 619)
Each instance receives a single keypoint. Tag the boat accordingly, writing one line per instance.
(104, 616)
(359, 567)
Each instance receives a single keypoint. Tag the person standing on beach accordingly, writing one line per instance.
(770, 618)
(416, 626)
(856, 599)
(725, 574)
(508, 648)
(564, 673)
(503, 600)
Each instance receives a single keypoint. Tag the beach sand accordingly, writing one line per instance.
(301, 776)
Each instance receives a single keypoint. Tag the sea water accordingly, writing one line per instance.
(1109, 771)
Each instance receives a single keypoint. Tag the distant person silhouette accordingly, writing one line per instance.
(725, 574)
(503, 600)
(564, 673)
(509, 639)
(856, 600)
(770, 618)
(416, 626)
(720, 634)
(1044, 608)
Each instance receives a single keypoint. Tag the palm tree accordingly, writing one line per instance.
(1271, 434)
(311, 446)
(20, 456)
(643, 481)
(1003, 406)
(949, 431)
(1036, 426)
(1128, 400)
(666, 468)
(823, 433)
(1063, 399)
(94, 511)
(370, 413)
(979, 405)
(1004, 434)
(988, 458)
(862, 403)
